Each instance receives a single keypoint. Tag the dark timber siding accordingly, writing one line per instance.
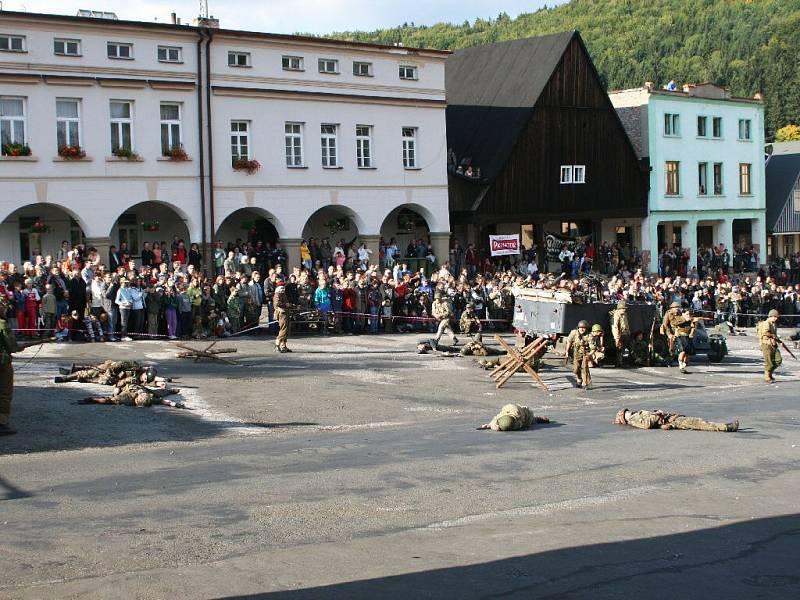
(573, 123)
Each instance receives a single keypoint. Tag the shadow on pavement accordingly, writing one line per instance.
(752, 559)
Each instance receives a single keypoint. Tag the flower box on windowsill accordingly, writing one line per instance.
(249, 166)
(136, 158)
(177, 154)
(169, 159)
(81, 159)
(72, 152)
(19, 158)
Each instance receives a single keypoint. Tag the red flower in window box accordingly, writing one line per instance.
(71, 152)
(177, 154)
(16, 150)
(244, 164)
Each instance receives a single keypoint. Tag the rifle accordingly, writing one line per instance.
(785, 347)
(651, 345)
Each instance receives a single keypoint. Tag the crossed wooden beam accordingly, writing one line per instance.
(207, 352)
(517, 360)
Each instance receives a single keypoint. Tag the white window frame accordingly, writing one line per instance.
(566, 174)
(408, 72)
(364, 147)
(237, 56)
(702, 178)
(410, 151)
(748, 180)
(9, 38)
(66, 121)
(119, 123)
(672, 125)
(15, 122)
(677, 190)
(177, 50)
(357, 68)
(748, 130)
(328, 66)
(170, 125)
(329, 141)
(293, 144)
(578, 173)
(65, 43)
(714, 122)
(796, 196)
(288, 63)
(240, 139)
(117, 47)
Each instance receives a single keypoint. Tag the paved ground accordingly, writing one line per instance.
(352, 469)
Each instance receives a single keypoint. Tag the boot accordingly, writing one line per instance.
(733, 426)
(60, 379)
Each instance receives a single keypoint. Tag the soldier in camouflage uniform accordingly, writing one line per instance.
(767, 332)
(657, 419)
(513, 417)
(234, 310)
(107, 373)
(282, 307)
(136, 394)
(443, 312)
(579, 342)
(469, 324)
(679, 326)
(620, 330)
(640, 353)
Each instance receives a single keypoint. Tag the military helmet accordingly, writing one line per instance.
(773, 313)
(506, 423)
(423, 348)
(470, 305)
(150, 374)
(597, 327)
(621, 304)
(583, 324)
(675, 305)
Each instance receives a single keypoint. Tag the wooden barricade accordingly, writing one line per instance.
(516, 361)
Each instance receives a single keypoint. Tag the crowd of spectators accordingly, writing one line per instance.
(340, 287)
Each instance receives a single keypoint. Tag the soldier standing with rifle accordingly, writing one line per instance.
(282, 307)
(579, 341)
(767, 332)
(679, 326)
(442, 311)
(8, 346)
(620, 330)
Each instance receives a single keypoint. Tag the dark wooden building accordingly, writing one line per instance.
(546, 147)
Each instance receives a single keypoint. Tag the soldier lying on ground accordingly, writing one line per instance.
(473, 348)
(111, 373)
(513, 417)
(657, 419)
(135, 394)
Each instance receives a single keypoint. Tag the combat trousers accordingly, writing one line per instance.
(697, 424)
(283, 330)
(6, 389)
(772, 359)
(445, 327)
(580, 367)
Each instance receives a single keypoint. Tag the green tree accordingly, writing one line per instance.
(789, 133)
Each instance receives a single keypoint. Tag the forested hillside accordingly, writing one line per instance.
(749, 45)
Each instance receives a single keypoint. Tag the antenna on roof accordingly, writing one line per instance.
(204, 8)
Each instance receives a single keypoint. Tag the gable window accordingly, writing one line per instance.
(12, 121)
(238, 59)
(328, 65)
(64, 47)
(744, 129)
(717, 179)
(566, 174)
(797, 201)
(673, 178)
(119, 50)
(170, 127)
(364, 146)
(170, 54)
(702, 126)
(744, 179)
(328, 139)
(578, 174)
(240, 140)
(408, 72)
(121, 125)
(294, 144)
(702, 178)
(672, 124)
(409, 147)
(68, 123)
(716, 127)
(12, 43)
(292, 63)
(362, 69)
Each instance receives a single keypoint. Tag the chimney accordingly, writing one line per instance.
(648, 85)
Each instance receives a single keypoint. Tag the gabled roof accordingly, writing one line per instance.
(491, 92)
(782, 172)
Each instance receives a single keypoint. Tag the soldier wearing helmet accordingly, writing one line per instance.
(579, 342)
(767, 332)
(469, 323)
(443, 312)
(679, 327)
(513, 417)
(620, 330)
(657, 419)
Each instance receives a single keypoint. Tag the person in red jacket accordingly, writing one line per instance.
(349, 306)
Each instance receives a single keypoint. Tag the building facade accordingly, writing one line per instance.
(141, 132)
(783, 200)
(707, 182)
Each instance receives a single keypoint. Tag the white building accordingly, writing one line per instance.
(706, 152)
(350, 137)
